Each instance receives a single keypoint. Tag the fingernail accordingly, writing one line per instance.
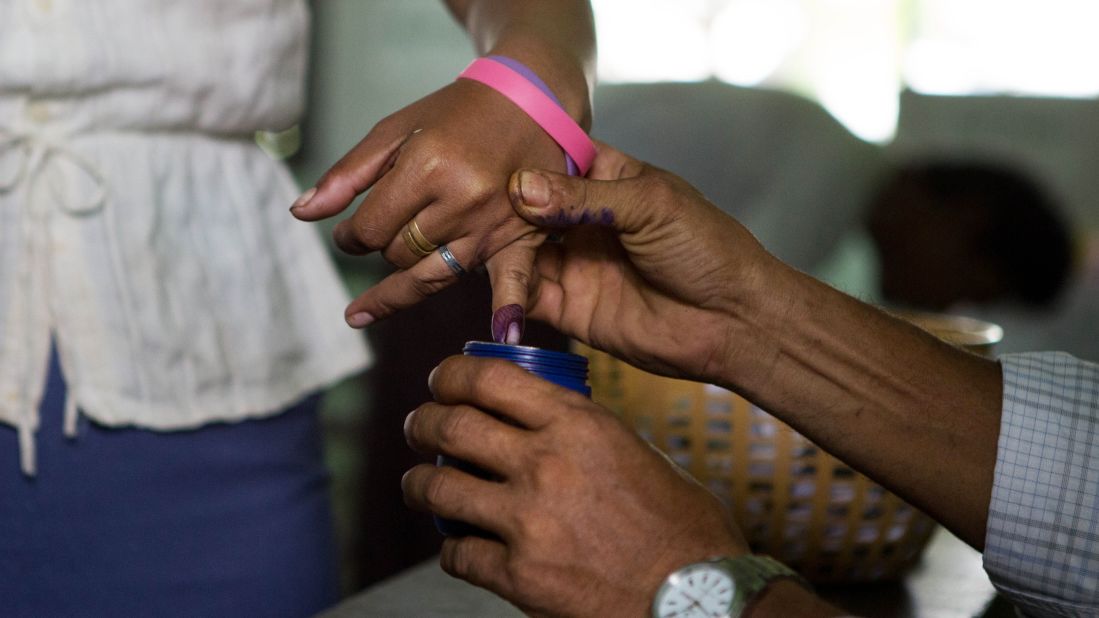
(360, 320)
(534, 189)
(431, 379)
(304, 198)
(507, 324)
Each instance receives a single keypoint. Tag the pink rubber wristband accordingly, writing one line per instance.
(542, 109)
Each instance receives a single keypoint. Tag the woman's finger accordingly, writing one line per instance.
(511, 272)
(354, 173)
(406, 288)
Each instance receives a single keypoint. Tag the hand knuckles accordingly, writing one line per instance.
(449, 370)
(381, 307)
(459, 559)
(334, 179)
(548, 474)
(412, 484)
(521, 574)
(658, 189)
(352, 236)
(368, 232)
(415, 423)
(436, 488)
(427, 285)
(492, 377)
(481, 188)
(397, 255)
(454, 427)
(389, 125)
(430, 159)
(529, 524)
(472, 184)
(520, 277)
(596, 422)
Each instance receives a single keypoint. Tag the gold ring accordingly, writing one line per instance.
(416, 242)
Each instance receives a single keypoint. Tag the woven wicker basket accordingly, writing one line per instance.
(793, 501)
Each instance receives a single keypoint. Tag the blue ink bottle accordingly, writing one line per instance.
(562, 368)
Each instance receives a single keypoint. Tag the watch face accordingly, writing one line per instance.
(697, 591)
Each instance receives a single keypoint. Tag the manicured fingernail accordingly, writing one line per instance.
(303, 199)
(534, 189)
(360, 320)
(507, 324)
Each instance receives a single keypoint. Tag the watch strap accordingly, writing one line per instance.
(754, 573)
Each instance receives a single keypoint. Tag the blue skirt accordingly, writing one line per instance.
(227, 520)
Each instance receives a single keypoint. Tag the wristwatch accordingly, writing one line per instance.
(718, 588)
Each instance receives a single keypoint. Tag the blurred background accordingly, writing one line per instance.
(832, 128)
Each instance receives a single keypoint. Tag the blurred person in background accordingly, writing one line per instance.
(165, 325)
(939, 234)
(953, 232)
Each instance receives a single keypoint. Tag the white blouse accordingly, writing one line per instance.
(143, 230)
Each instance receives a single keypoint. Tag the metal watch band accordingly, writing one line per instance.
(752, 574)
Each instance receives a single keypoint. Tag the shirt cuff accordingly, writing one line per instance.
(1042, 541)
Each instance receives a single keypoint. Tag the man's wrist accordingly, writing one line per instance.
(761, 301)
(784, 598)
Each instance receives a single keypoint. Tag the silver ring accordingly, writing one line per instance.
(451, 261)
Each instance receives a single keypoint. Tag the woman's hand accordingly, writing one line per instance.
(444, 162)
(657, 279)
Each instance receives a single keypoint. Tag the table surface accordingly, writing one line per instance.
(947, 583)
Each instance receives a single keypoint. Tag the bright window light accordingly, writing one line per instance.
(652, 40)
(750, 39)
(854, 56)
(1034, 47)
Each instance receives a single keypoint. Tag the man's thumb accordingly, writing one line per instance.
(554, 200)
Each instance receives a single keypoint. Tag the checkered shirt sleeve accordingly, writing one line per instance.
(1042, 544)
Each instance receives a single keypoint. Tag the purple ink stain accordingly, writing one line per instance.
(604, 217)
(507, 324)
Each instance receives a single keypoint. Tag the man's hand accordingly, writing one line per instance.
(657, 280)
(588, 518)
(672, 285)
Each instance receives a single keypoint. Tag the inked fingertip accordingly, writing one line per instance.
(507, 324)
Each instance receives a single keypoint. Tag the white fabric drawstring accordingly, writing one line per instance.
(37, 151)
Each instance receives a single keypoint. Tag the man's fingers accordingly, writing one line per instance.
(453, 494)
(356, 172)
(405, 288)
(480, 561)
(501, 387)
(466, 433)
(511, 272)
